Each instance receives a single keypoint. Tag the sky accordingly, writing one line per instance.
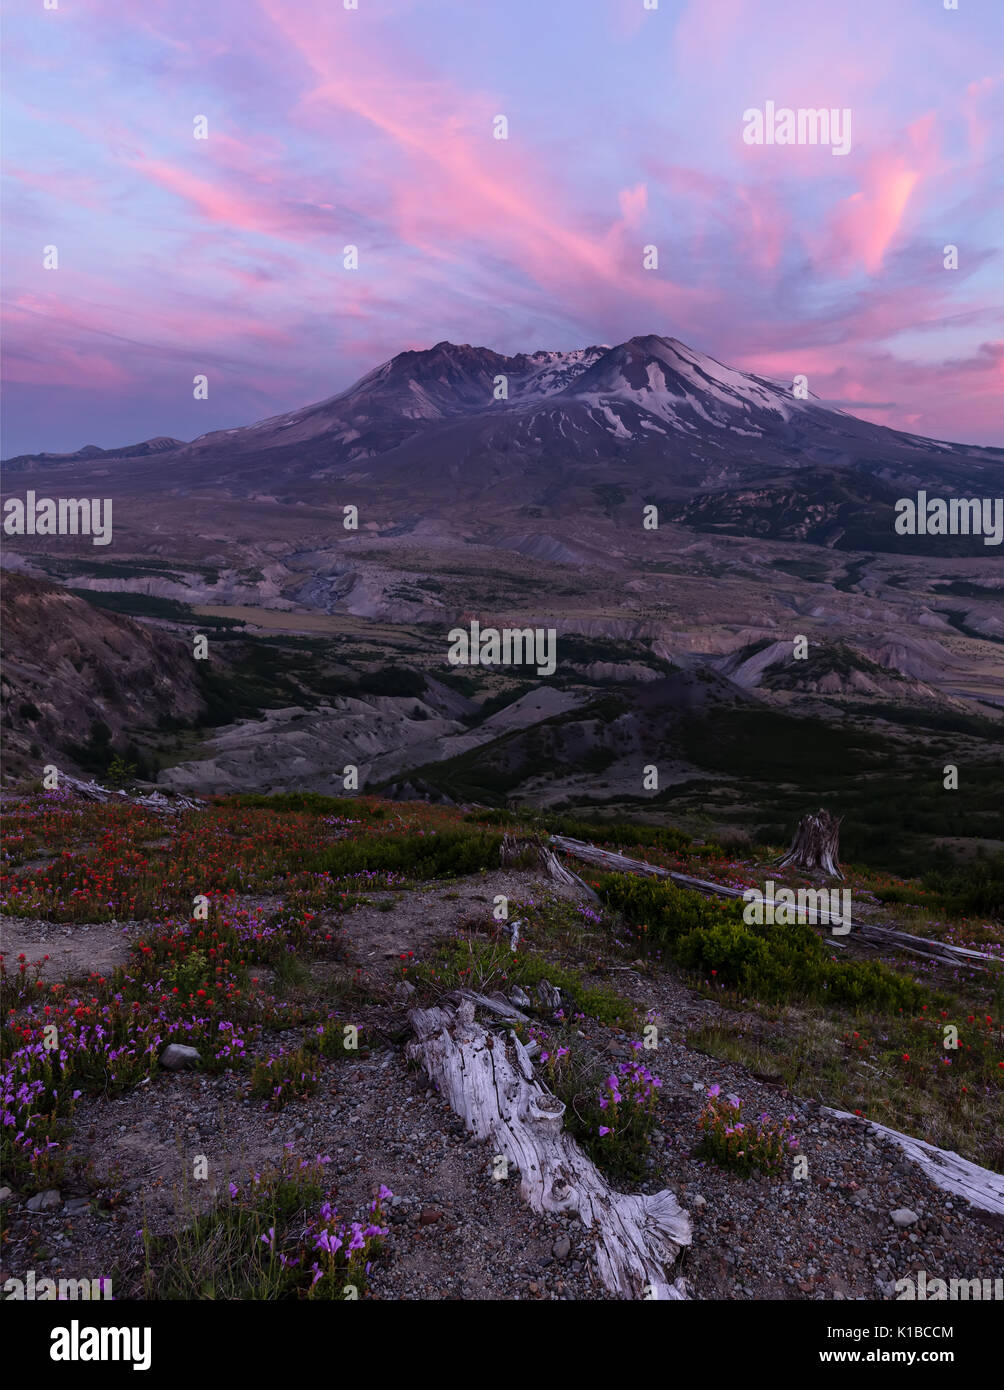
(375, 127)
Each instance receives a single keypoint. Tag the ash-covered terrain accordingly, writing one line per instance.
(712, 553)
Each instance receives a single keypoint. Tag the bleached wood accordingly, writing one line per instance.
(153, 800)
(489, 1081)
(874, 935)
(496, 1004)
(981, 1187)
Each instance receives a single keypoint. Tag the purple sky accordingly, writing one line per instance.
(373, 127)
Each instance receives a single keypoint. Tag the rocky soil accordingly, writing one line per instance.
(864, 1217)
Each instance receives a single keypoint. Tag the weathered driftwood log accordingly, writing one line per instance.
(153, 800)
(489, 1081)
(815, 845)
(981, 1187)
(883, 937)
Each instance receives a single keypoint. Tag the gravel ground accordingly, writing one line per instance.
(455, 1232)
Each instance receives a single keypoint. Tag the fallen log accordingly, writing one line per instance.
(981, 1187)
(489, 1082)
(153, 800)
(886, 937)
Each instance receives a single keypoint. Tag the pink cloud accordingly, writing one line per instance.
(456, 182)
(767, 226)
(977, 124)
(884, 388)
(633, 202)
(863, 227)
(212, 200)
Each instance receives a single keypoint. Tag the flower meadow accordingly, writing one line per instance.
(123, 862)
(743, 1145)
(220, 909)
(191, 985)
(276, 1235)
(186, 981)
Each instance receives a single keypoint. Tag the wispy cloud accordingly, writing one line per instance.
(374, 128)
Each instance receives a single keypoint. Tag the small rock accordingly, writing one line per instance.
(903, 1216)
(429, 1215)
(404, 989)
(4, 1194)
(45, 1201)
(698, 1201)
(175, 1056)
(561, 1249)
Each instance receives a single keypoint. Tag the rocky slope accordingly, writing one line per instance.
(68, 665)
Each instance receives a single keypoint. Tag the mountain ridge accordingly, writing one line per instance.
(457, 430)
(452, 379)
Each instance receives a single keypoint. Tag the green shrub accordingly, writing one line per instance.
(728, 948)
(617, 832)
(664, 911)
(448, 854)
(770, 963)
(392, 680)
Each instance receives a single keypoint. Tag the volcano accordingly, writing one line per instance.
(650, 419)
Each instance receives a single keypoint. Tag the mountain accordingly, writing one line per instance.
(161, 445)
(648, 420)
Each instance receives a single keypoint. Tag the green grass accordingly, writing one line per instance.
(474, 962)
(890, 1068)
(232, 1252)
(150, 606)
(446, 854)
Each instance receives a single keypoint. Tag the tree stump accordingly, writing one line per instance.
(815, 845)
(515, 852)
